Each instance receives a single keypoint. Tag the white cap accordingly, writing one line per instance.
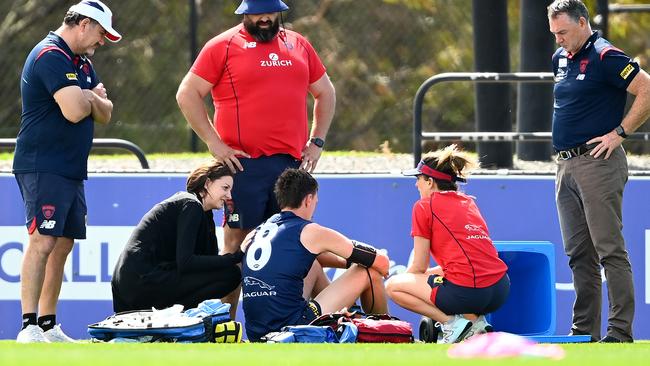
(99, 12)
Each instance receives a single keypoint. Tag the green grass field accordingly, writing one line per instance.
(297, 354)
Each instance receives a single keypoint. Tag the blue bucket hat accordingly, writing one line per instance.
(261, 7)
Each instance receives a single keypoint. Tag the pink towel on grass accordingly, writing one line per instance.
(501, 345)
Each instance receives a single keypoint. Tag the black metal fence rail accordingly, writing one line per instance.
(99, 144)
(481, 77)
(475, 77)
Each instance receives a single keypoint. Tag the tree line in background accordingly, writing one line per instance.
(377, 52)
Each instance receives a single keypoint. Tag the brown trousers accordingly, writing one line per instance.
(589, 195)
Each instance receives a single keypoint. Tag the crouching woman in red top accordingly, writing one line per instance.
(470, 279)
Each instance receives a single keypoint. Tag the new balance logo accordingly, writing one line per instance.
(48, 224)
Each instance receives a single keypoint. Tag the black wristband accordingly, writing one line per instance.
(362, 254)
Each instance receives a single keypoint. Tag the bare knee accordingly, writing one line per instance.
(233, 238)
(395, 288)
(374, 275)
(392, 287)
(40, 246)
(62, 249)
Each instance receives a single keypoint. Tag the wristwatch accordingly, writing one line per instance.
(317, 141)
(620, 131)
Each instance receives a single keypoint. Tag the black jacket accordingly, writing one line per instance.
(176, 235)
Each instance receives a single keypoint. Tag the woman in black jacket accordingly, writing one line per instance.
(172, 255)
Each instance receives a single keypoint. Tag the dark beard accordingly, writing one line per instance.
(262, 35)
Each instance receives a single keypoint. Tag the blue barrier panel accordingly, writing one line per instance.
(530, 309)
(372, 208)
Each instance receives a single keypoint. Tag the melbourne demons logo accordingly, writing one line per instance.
(583, 66)
(229, 215)
(48, 211)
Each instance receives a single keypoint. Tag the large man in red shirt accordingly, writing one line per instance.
(259, 75)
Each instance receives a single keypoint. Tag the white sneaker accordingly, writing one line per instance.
(480, 326)
(454, 330)
(31, 334)
(56, 335)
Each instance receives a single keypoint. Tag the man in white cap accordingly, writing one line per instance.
(62, 98)
(259, 75)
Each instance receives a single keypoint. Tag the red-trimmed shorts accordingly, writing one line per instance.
(454, 299)
(54, 205)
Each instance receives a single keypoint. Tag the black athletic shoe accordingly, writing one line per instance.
(610, 339)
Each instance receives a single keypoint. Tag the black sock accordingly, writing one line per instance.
(28, 319)
(47, 322)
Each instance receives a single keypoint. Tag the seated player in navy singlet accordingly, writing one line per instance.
(284, 261)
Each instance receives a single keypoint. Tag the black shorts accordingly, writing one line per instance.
(54, 205)
(311, 312)
(253, 200)
(454, 299)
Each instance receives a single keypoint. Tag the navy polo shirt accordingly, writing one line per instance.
(47, 142)
(590, 91)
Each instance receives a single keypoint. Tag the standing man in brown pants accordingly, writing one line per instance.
(592, 79)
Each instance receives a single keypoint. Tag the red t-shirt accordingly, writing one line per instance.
(460, 242)
(260, 90)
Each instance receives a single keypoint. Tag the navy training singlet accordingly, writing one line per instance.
(273, 272)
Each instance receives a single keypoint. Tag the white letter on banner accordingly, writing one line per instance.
(89, 267)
